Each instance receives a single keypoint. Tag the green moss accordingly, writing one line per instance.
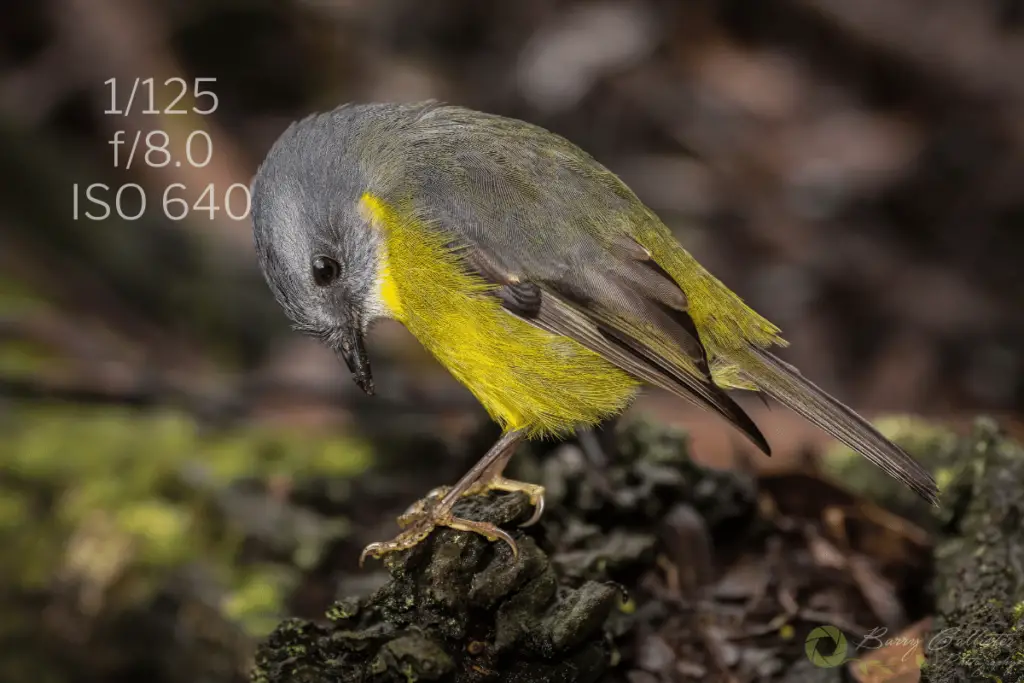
(23, 358)
(342, 610)
(15, 511)
(18, 298)
(161, 529)
(256, 601)
(265, 453)
(107, 499)
(933, 444)
(915, 435)
(978, 595)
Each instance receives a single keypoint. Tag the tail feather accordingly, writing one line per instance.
(785, 384)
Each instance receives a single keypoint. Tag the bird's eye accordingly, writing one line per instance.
(325, 270)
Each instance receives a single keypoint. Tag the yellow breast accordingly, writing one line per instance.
(525, 378)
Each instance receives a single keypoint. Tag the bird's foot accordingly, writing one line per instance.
(535, 492)
(423, 516)
(432, 511)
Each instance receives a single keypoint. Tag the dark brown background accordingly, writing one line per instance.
(855, 169)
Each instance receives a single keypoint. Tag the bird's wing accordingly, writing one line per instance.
(634, 316)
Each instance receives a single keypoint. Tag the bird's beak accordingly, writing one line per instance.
(350, 348)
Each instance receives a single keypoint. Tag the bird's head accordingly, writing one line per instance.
(316, 247)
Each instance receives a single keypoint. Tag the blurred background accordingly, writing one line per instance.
(179, 470)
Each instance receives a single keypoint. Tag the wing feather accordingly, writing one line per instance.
(600, 321)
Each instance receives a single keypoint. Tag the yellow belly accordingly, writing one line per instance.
(525, 378)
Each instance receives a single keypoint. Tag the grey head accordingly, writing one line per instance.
(317, 251)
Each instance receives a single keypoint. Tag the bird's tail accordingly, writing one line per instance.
(785, 384)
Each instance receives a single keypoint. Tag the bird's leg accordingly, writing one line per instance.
(436, 508)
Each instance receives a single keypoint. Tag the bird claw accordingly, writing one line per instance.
(538, 510)
(431, 511)
(418, 529)
(403, 541)
(535, 492)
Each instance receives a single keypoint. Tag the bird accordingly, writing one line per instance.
(529, 270)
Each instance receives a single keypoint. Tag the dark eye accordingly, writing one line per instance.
(325, 270)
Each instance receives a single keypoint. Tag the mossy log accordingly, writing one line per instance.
(456, 608)
(460, 609)
(978, 630)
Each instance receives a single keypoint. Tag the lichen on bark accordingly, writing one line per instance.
(978, 630)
